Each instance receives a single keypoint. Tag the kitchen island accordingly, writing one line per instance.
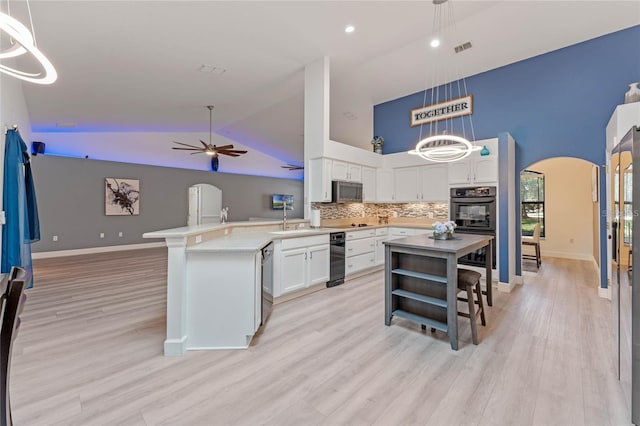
(421, 280)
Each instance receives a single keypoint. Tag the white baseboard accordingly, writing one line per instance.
(505, 287)
(605, 293)
(94, 250)
(568, 255)
(175, 347)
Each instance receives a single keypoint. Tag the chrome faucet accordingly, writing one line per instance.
(284, 215)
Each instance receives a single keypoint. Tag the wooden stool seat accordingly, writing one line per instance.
(469, 281)
(535, 242)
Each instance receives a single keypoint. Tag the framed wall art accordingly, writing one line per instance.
(122, 197)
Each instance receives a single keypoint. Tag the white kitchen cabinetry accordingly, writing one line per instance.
(320, 177)
(346, 171)
(382, 235)
(368, 184)
(422, 183)
(475, 169)
(300, 263)
(384, 185)
(406, 184)
(433, 183)
(360, 250)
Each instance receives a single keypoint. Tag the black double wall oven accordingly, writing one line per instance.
(474, 212)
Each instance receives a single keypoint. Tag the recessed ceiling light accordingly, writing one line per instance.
(435, 42)
(349, 29)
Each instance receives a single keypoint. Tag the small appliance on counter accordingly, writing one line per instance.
(315, 219)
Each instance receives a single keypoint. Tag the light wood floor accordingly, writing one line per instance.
(89, 352)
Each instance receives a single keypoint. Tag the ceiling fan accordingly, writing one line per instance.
(292, 167)
(210, 148)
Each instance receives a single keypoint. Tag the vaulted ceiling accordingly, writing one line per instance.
(130, 66)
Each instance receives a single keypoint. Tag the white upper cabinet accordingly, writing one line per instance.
(320, 180)
(368, 184)
(423, 183)
(406, 184)
(433, 183)
(346, 171)
(384, 185)
(486, 170)
(476, 169)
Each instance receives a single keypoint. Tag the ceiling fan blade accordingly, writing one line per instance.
(292, 167)
(206, 145)
(198, 152)
(187, 149)
(229, 154)
(218, 148)
(233, 151)
(186, 144)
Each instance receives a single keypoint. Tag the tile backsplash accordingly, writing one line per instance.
(403, 210)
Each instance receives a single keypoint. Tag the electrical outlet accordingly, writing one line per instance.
(55, 238)
(430, 215)
(102, 235)
(198, 239)
(120, 234)
(226, 232)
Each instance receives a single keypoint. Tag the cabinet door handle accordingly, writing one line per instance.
(305, 256)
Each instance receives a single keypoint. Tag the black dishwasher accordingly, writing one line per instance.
(336, 254)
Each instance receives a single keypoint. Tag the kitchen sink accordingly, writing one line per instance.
(292, 231)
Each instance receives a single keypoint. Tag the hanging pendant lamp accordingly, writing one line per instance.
(22, 41)
(450, 104)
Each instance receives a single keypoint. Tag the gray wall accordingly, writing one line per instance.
(71, 197)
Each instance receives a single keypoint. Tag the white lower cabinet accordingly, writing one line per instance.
(300, 263)
(360, 250)
(382, 235)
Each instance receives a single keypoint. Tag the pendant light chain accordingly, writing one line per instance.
(443, 145)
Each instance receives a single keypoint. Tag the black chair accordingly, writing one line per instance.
(13, 302)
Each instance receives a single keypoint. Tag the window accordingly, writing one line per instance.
(532, 202)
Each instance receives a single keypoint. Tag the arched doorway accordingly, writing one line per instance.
(563, 199)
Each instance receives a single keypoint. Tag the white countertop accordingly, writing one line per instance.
(243, 238)
(189, 231)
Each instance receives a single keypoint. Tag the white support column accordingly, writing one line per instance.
(176, 341)
(316, 118)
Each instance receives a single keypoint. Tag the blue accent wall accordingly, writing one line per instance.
(554, 105)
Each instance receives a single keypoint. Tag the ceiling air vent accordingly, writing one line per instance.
(463, 46)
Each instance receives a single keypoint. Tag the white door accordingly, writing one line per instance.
(486, 170)
(340, 170)
(433, 183)
(459, 172)
(406, 184)
(380, 250)
(384, 185)
(355, 173)
(368, 184)
(318, 263)
(293, 269)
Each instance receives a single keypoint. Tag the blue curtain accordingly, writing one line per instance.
(22, 226)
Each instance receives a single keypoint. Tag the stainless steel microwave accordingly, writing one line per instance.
(346, 192)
